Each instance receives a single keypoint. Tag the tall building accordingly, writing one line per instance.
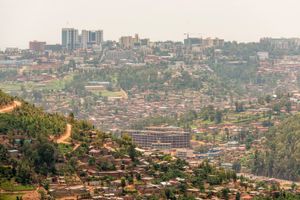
(99, 37)
(90, 38)
(127, 42)
(84, 39)
(70, 39)
(192, 41)
(37, 46)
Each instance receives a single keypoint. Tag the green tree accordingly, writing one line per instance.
(237, 196)
(123, 182)
(218, 117)
(24, 173)
(236, 166)
(132, 152)
(225, 193)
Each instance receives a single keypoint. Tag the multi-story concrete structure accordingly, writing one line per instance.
(206, 42)
(152, 137)
(90, 38)
(192, 41)
(127, 42)
(37, 46)
(281, 43)
(70, 39)
(218, 42)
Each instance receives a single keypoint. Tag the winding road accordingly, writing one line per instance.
(11, 107)
(64, 137)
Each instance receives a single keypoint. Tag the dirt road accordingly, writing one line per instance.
(63, 138)
(10, 107)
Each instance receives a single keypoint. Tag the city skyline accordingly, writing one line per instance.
(168, 20)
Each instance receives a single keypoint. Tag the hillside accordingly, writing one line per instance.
(281, 158)
(5, 100)
(93, 164)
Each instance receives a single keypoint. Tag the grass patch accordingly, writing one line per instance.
(12, 187)
(106, 93)
(64, 148)
(10, 196)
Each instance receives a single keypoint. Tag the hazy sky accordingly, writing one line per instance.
(241, 20)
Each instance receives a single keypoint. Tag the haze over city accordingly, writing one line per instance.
(149, 100)
(247, 20)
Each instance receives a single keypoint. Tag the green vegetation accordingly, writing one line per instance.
(32, 122)
(10, 186)
(150, 78)
(27, 129)
(5, 99)
(282, 151)
(64, 148)
(13, 196)
(7, 74)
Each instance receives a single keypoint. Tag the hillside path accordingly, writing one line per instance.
(64, 137)
(11, 107)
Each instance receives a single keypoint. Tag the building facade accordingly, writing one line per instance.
(156, 136)
(90, 38)
(37, 46)
(70, 39)
(128, 42)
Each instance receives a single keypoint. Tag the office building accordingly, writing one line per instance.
(206, 42)
(192, 41)
(128, 42)
(37, 46)
(70, 39)
(91, 38)
(160, 137)
(280, 43)
(218, 42)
